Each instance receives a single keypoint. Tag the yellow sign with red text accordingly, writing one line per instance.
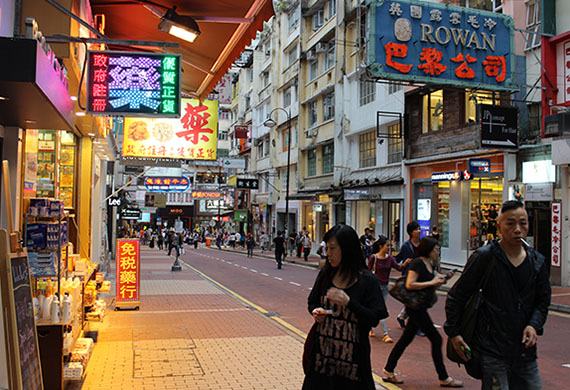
(128, 273)
(193, 136)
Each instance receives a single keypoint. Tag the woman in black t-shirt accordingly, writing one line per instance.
(421, 276)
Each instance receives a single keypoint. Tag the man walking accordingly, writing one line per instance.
(279, 242)
(408, 251)
(513, 309)
(307, 245)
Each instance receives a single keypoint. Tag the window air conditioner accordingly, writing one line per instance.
(321, 47)
(311, 55)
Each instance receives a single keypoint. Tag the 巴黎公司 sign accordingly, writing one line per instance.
(133, 84)
(428, 42)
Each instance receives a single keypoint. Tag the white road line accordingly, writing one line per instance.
(278, 278)
(252, 270)
(229, 262)
(295, 284)
(566, 365)
(264, 274)
(236, 265)
(244, 267)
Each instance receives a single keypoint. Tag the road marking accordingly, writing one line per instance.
(252, 270)
(295, 284)
(566, 365)
(277, 277)
(229, 262)
(555, 313)
(236, 265)
(560, 295)
(264, 274)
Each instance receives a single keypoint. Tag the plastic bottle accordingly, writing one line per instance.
(41, 298)
(66, 308)
(36, 303)
(46, 312)
(55, 310)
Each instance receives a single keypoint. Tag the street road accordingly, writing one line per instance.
(284, 293)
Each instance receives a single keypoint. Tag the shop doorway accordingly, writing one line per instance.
(394, 225)
(539, 229)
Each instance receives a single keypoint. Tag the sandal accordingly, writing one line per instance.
(390, 377)
(450, 382)
(387, 339)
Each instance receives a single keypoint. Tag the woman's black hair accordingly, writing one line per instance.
(380, 242)
(352, 258)
(426, 246)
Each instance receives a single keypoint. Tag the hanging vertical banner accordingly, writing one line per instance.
(133, 84)
(128, 273)
(556, 234)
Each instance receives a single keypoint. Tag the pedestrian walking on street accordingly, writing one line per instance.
(513, 309)
(299, 242)
(421, 276)
(250, 243)
(345, 302)
(160, 241)
(408, 251)
(307, 246)
(174, 243)
(196, 239)
(380, 264)
(279, 243)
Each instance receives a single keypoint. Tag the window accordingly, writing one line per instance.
(394, 87)
(328, 106)
(367, 149)
(250, 74)
(395, 145)
(487, 5)
(285, 137)
(222, 135)
(331, 8)
(247, 102)
(313, 113)
(287, 97)
(266, 147)
(313, 69)
(224, 114)
(292, 56)
(260, 149)
(471, 101)
(532, 24)
(534, 118)
(367, 92)
(330, 56)
(432, 119)
(312, 162)
(265, 79)
(293, 19)
(328, 158)
(318, 19)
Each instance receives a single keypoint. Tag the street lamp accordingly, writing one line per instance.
(270, 123)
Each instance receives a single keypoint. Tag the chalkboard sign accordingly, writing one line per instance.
(30, 371)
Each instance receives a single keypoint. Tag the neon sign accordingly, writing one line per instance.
(128, 273)
(133, 84)
(167, 184)
(412, 40)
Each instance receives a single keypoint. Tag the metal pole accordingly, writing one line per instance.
(288, 174)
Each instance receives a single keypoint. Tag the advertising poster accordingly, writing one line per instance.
(424, 216)
(193, 136)
(128, 273)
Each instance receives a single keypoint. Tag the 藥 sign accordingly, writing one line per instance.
(133, 84)
(128, 273)
(429, 42)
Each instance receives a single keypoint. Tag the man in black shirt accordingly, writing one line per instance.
(514, 305)
(279, 242)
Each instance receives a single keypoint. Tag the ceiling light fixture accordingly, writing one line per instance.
(79, 113)
(74, 98)
(181, 26)
(4, 98)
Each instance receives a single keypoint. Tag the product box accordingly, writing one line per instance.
(36, 236)
(42, 263)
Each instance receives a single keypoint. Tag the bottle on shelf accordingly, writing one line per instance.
(66, 308)
(36, 304)
(55, 309)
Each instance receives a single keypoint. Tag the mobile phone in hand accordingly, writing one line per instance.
(450, 274)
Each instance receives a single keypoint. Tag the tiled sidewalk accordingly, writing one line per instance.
(189, 334)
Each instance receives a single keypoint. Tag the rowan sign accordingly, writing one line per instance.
(418, 41)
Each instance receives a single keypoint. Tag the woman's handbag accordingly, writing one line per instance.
(468, 323)
(309, 341)
(414, 299)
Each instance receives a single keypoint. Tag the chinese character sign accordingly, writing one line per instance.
(167, 183)
(556, 255)
(193, 136)
(128, 273)
(135, 84)
(412, 40)
(566, 59)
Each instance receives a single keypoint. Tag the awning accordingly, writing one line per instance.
(227, 27)
(34, 95)
(376, 176)
(303, 196)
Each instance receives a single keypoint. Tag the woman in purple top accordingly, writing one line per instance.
(380, 264)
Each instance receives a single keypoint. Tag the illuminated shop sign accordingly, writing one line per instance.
(128, 273)
(133, 84)
(206, 195)
(418, 41)
(167, 184)
(479, 165)
(447, 176)
(193, 136)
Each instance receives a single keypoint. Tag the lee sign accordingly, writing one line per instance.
(418, 41)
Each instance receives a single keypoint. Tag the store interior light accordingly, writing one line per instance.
(180, 26)
(91, 134)
(4, 98)
(79, 113)
(74, 98)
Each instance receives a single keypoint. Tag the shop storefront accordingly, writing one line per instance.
(462, 198)
(316, 217)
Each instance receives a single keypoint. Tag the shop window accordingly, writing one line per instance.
(50, 165)
(443, 213)
(486, 199)
(367, 145)
(328, 158)
(395, 145)
(432, 118)
(471, 101)
(367, 92)
(312, 162)
(533, 25)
